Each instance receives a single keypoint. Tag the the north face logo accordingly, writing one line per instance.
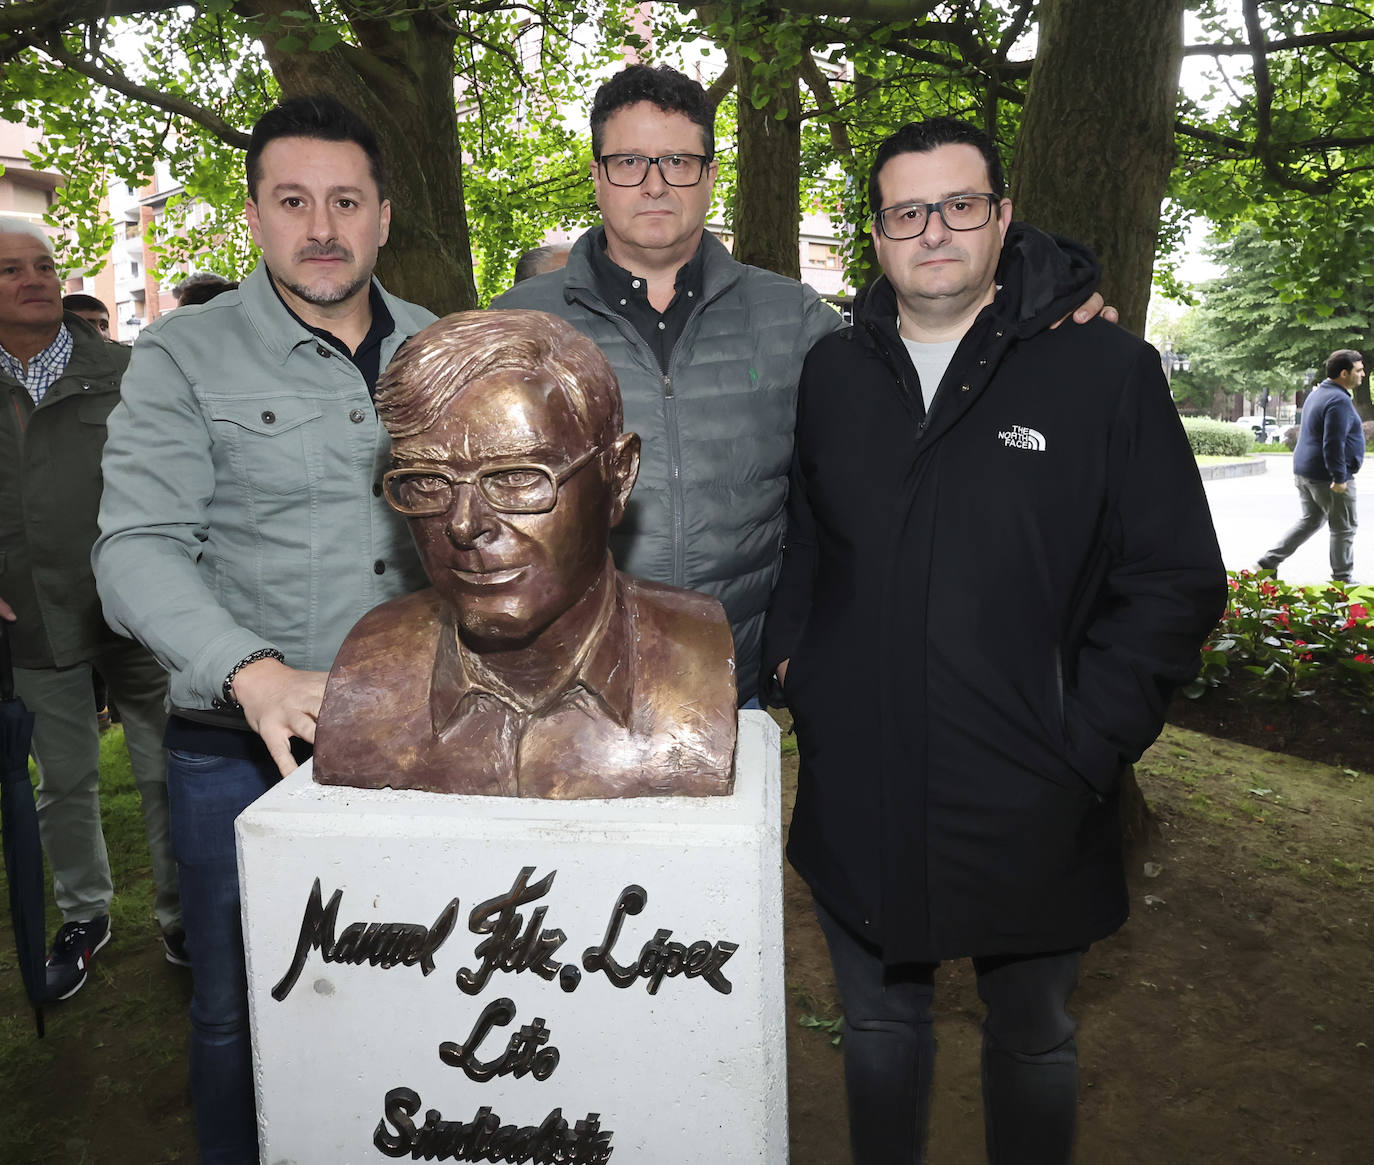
(1020, 437)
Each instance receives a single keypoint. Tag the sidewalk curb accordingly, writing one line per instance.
(1257, 464)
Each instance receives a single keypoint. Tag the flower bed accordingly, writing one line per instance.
(1289, 668)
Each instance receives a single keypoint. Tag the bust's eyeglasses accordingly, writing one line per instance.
(962, 212)
(509, 487)
(632, 169)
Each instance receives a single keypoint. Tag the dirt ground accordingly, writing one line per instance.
(1230, 1022)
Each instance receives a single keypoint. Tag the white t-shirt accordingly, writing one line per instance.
(930, 361)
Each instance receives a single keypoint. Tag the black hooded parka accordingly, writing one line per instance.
(985, 610)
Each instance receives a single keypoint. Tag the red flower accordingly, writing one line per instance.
(1358, 610)
(1362, 658)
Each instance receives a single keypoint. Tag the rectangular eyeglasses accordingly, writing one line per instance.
(961, 212)
(632, 169)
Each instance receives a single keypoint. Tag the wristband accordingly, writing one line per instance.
(228, 689)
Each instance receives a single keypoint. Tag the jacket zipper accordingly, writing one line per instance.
(675, 482)
(587, 298)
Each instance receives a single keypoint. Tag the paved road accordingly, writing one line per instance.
(1252, 513)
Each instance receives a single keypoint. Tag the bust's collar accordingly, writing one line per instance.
(602, 666)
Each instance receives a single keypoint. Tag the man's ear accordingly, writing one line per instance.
(624, 465)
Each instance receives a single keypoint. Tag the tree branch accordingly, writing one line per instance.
(1282, 44)
(816, 81)
(716, 91)
(30, 15)
(229, 134)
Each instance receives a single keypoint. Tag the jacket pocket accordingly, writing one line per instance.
(271, 442)
(95, 410)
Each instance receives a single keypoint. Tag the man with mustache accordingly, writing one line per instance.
(243, 530)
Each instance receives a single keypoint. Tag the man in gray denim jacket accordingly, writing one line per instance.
(243, 531)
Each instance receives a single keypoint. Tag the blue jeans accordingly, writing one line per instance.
(1030, 1060)
(205, 795)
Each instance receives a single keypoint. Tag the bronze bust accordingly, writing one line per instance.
(531, 667)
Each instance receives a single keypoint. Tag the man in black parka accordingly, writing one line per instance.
(999, 565)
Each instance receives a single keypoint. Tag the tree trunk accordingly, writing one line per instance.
(401, 83)
(767, 213)
(1138, 824)
(1096, 143)
(1093, 159)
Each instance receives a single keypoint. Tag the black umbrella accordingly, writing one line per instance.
(19, 826)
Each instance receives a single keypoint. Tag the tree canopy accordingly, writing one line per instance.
(1244, 338)
(480, 105)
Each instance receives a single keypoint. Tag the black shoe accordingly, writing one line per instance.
(72, 950)
(174, 947)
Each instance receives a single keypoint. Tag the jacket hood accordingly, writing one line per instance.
(1040, 279)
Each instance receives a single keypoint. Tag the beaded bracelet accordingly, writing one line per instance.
(262, 653)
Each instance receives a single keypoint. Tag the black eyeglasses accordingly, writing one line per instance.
(509, 487)
(632, 169)
(962, 212)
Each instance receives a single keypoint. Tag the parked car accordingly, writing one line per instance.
(1267, 429)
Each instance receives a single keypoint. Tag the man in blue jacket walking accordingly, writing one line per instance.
(1330, 452)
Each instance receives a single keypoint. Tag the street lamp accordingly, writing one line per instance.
(1173, 362)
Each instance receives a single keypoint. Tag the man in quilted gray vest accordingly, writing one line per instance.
(708, 352)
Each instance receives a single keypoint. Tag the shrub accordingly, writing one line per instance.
(1368, 427)
(1216, 438)
(1288, 636)
(1290, 438)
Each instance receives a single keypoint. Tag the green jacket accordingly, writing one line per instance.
(243, 503)
(49, 496)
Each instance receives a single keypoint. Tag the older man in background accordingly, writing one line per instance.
(61, 380)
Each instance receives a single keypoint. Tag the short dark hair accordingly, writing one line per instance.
(1342, 360)
(205, 291)
(319, 116)
(538, 260)
(671, 91)
(195, 280)
(79, 301)
(920, 137)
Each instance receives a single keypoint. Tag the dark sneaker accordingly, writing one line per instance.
(174, 947)
(72, 950)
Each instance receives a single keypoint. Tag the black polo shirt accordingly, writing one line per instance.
(628, 294)
(368, 357)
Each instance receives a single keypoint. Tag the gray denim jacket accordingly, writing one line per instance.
(242, 505)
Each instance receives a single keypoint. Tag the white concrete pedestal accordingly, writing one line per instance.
(520, 1023)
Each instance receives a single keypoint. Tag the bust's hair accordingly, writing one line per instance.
(435, 365)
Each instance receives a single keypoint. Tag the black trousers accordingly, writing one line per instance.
(1030, 1060)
